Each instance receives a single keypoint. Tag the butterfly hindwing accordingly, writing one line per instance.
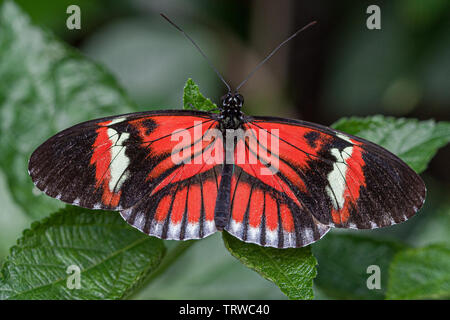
(182, 210)
(262, 213)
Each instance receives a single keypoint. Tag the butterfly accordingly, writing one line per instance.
(185, 174)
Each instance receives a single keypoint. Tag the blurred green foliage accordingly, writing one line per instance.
(421, 273)
(397, 70)
(343, 261)
(44, 81)
(111, 256)
(292, 270)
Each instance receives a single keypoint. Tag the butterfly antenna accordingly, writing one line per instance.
(273, 52)
(198, 48)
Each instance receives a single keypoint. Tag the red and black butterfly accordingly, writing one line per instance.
(324, 178)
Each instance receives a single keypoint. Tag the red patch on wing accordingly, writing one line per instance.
(199, 162)
(101, 158)
(286, 218)
(255, 168)
(271, 213)
(355, 179)
(179, 205)
(209, 199)
(293, 146)
(240, 202)
(162, 134)
(194, 204)
(163, 208)
(182, 173)
(261, 143)
(256, 208)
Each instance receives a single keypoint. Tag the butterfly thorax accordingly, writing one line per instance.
(231, 115)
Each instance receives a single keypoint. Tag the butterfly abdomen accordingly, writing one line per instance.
(222, 209)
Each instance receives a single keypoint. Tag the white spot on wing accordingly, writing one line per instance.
(323, 229)
(307, 235)
(117, 120)
(173, 232)
(289, 239)
(253, 234)
(235, 228)
(156, 228)
(139, 221)
(343, 137)
(209, 227)
(336, 178)
(192, 231)
(119, 162)
(125, 213)
(271, 237)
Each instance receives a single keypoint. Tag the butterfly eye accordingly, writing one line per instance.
(239, 99)
(226, 99)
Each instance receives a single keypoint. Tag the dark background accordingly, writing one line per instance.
(337, 68)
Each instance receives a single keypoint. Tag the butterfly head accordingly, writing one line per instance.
(232, 101)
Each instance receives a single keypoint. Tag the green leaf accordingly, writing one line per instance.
(292, 270)
(113, 257)
(421, 273)
(436, 227)
(45, 87)
(414, 141)
(213, 274)
(343, 261)
(194, 100)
